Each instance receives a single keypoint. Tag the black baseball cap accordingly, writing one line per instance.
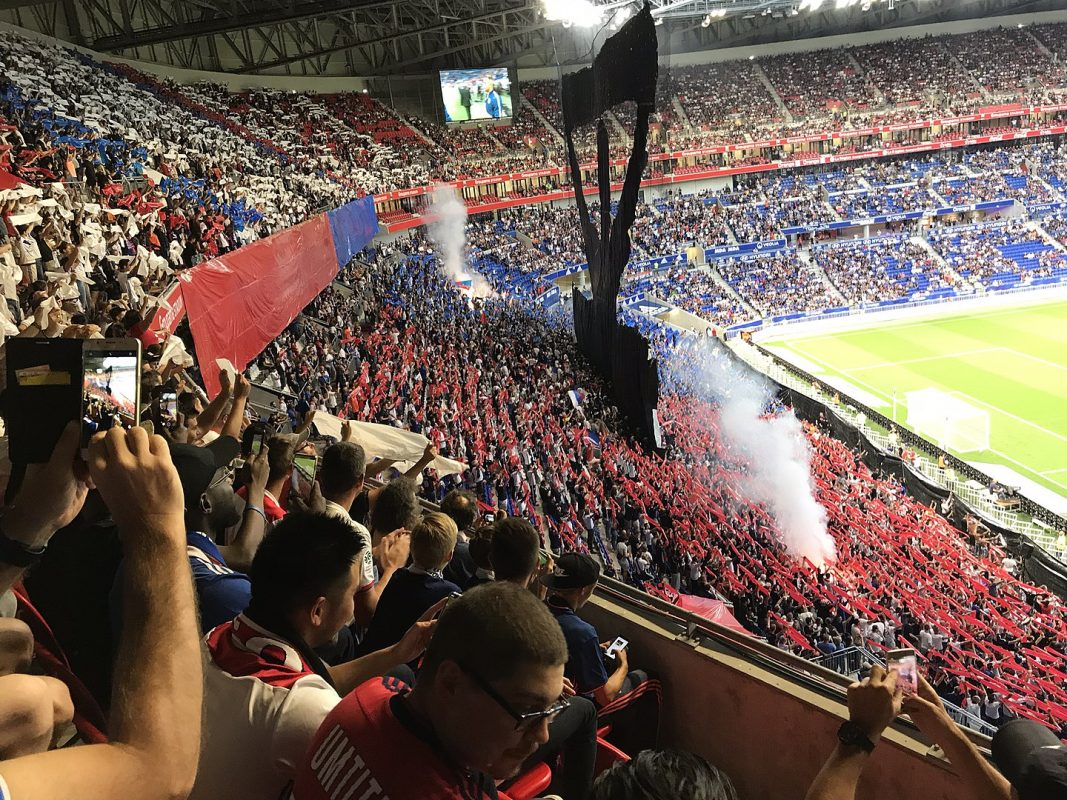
(196, 466)
(573, 571)
(1032, 758)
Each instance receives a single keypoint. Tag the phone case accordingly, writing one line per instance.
(43, 394)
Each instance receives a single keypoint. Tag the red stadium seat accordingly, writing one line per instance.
(531, 783)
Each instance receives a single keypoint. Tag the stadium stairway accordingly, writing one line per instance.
(804, 257)
(680, 112)
(533, 109)
(778, 101)
(974, 81)
(619, 128)
(1048, 237)
(870, 84)
(936, 256)
(732, 293)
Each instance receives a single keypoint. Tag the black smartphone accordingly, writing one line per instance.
(259, 438)
(111, 385)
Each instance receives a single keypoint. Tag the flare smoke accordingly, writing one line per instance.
(774, 450)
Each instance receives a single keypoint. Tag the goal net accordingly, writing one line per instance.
(947, 421)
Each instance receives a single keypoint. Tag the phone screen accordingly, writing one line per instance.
(906, 665)
(615, 647)
(109, 390)
(307, 465)
(257, 442)
(168, 408)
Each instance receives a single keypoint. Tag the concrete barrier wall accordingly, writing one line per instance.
(770, 734)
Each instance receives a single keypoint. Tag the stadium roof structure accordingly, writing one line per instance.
(394, 37)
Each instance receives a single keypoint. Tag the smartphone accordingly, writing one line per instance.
(489, 518)
(307, 464)
(614, 647)
(111, 385)
(259, 438)
(906, 665)
(168, 409)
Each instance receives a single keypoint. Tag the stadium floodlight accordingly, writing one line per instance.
(580, 13)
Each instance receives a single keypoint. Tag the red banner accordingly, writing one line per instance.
(241, 301)
(167, 319)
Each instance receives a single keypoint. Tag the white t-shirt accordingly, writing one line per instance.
(366, 571)
(262, 706)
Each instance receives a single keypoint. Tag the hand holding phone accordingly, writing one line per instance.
(615, 647)
(905, 663)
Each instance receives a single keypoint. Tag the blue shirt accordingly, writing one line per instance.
(585, 662)
(221, 593)
(404, 599)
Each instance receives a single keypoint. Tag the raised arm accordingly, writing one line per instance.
(237, 408)
(981, 779)
(239, 553)
(158, 689)
(872, 706)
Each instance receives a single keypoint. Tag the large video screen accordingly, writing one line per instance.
(470, 95)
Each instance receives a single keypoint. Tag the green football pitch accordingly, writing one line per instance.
(1011, 363)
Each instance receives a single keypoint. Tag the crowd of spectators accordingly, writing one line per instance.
(341, 624)
(982, 253)
(886, 268)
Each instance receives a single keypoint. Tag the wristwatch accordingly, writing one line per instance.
(852, 735)
(18, 554)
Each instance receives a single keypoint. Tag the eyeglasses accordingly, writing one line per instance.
(227, 475)
(523, 721)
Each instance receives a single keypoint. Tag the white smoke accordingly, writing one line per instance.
(773, 449)
(448, 232)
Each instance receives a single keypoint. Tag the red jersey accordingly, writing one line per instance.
(363, 751)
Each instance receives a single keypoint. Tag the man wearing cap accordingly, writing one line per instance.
(210, 508)
(630, 698)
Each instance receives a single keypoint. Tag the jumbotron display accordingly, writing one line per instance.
(470, 95)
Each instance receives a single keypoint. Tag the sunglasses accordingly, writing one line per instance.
(523, 721)
(226, 475)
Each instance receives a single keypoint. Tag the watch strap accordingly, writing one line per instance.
(853, 735)
(18, 554)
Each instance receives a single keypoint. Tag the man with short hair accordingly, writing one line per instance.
(341, 479)
(414, 589)
(265, 689)
(491, 681)
(462, 507)
(664, 775)
(515, 550)
(630, 699)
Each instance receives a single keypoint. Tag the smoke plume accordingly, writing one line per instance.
(448, 233)
(773, 449)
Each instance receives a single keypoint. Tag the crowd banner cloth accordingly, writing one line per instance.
(385, 441)
(239, 302)
(353, 225)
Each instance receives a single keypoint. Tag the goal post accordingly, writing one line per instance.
(948, 421)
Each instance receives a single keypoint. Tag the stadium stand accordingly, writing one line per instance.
(466, 383)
